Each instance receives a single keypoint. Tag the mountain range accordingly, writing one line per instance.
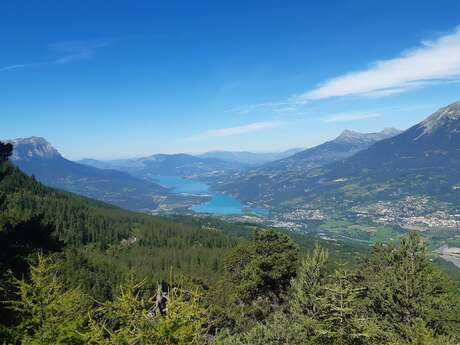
(128, 183)
(186, 165)
(179, 164)
(253, 183)
(215, 164)
(423, 161)
(345, 145)
(35, 156)
(352, 170)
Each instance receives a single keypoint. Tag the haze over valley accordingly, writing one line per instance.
(368, 185)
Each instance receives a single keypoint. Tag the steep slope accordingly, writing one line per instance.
(102, 244)
(254, 183)
(35, 156)
(432, 144)
(411, 180)
(425, 158)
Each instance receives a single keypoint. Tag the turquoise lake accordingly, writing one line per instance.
(219, 203)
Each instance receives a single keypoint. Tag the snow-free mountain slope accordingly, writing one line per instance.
(255, 184)
(424, 160)
(35, 156)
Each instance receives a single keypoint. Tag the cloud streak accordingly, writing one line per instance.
(349, 117)
(69, 52)
(232, 131)
(431, 63)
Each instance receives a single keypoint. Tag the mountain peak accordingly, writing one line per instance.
(350, 136)
(448, 114)
(349, 133)
(355, 134)
(32, 148)
(30, 140)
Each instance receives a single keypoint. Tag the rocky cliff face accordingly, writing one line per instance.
(26, 149)
(445, 117)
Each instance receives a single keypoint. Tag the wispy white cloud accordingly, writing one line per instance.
(288, 105)
(248, 108)
(286, 109)
(349, 117)
(10, 67)
(68, 52)
(231, 131)
(432, 62)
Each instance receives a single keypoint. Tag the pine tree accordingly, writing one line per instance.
(343, 321)
(309, 286)
(262, 268)
(5, 151)
(257, 278)
(50, 314)
(404, 289)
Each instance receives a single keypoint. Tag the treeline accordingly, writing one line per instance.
(77, 220)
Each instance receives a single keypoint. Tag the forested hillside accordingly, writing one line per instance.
(35, 156)
(76, 222)
(77, 271)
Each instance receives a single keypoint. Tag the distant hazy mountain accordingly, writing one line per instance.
(345, 145)
(179, 164)
(116, 164)
(35, 156)
(422, 161)
(258, 181)
(97, 164)
(250, 158)
(185, 165)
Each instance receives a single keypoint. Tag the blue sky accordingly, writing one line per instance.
(114, 79)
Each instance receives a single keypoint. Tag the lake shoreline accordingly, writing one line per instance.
(216, 204)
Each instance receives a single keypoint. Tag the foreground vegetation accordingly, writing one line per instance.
(76, 271)
(266, 296)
